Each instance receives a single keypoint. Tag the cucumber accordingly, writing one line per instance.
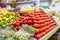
(29, 28)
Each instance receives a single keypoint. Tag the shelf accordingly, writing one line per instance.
(48, 35)
(25, 2)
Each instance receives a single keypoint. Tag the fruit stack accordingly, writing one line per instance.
(26, 10)
(6, 18)
(38, 20)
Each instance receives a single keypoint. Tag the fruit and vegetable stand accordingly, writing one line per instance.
(33, 23)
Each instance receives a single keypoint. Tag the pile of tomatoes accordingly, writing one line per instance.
(38, 19)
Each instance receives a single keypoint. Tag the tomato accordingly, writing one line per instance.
(42, 29)
(41, 15)
(37, 26)
(38, 31)
(12, 26)
(47, 31)
(46, 23)
(18, 27)
(26, 14)
(31, 15)
(26, 18)
(36, 22)
(42, 25)
(38, 36)
(38, 18)
(17, 24)
(51, 21)
(21, 17)
(29, 21)
(44, 33)
(33, 18)
(53, 26)
(46, 27)
(14, 23)
(50, 29)
(25, 21)
(20, 22)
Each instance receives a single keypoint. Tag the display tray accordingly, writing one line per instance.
(48, 35)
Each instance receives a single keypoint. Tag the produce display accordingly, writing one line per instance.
(20, 35)
(7, 35)
(27, 9)
(6, 18)
(37, 20)
(25, 22)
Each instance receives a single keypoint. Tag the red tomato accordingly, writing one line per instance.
(26, 14)
(18, 24)
(36, 22)
(46, 23)
(21, 17)
(49, 26)
(38, 16)
(42, 29)
(42, 25)
(46, 27)
(26, 18)
(44, 33)
(33, 18)
(51, 21)
(53, 26)
(18, 27)
(38, 36)
(12, 26)
(41, 15)
(31, 15)
(25, 21)
(41, 21)
(29, 21)
(37, 26)
(47, 31)
(38, 31)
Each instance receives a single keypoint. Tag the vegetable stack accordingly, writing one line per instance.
(38, 20)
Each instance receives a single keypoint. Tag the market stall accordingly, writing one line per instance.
(28, 22)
